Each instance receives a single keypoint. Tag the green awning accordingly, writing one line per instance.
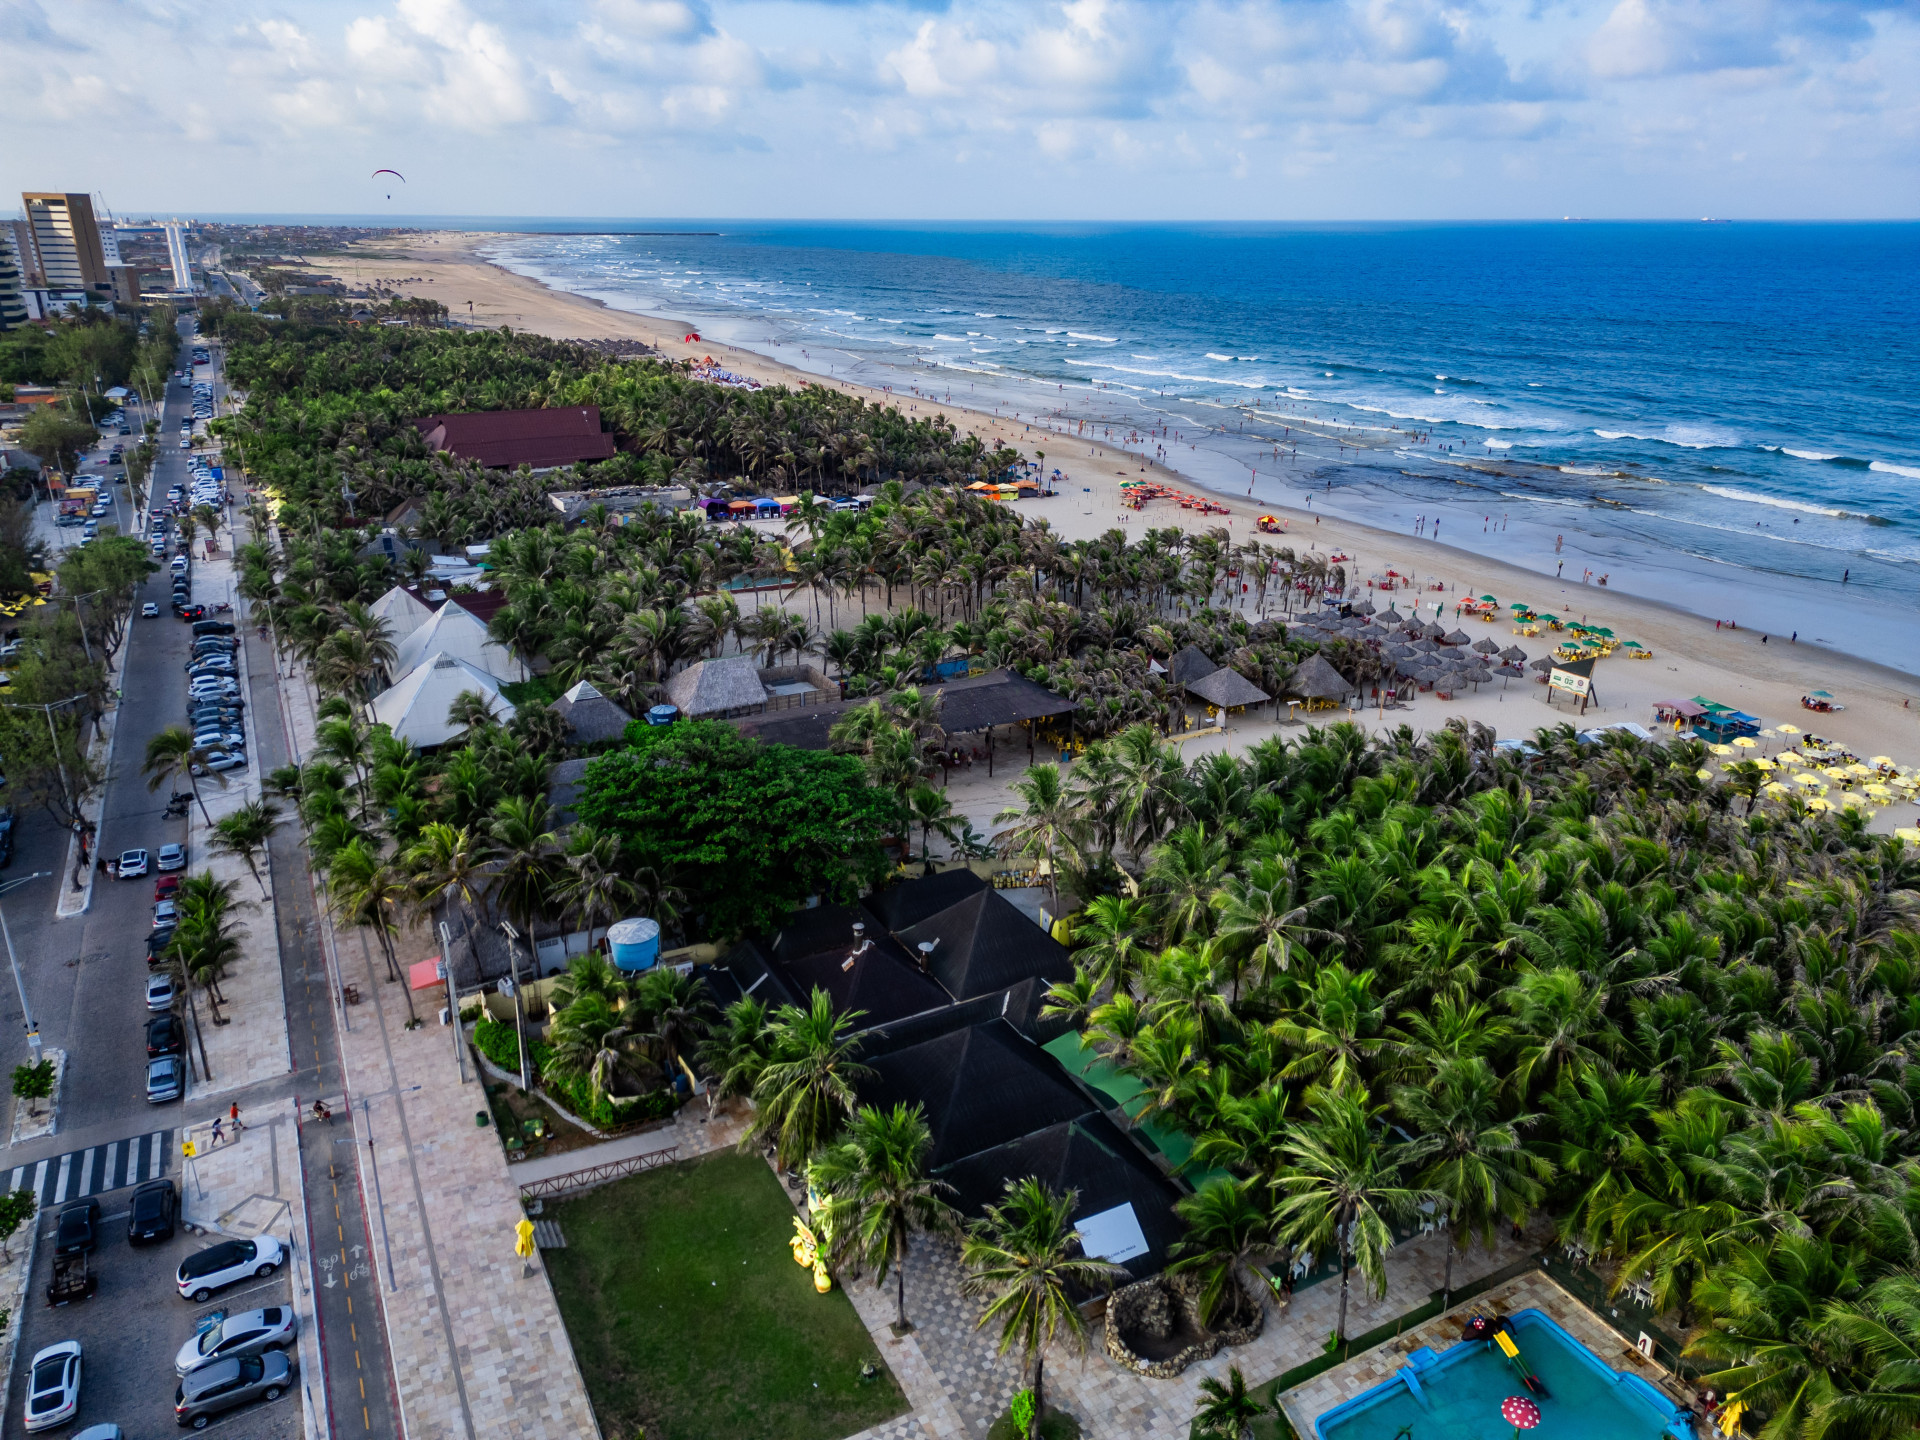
(1093, 1070)
(1176, 1145)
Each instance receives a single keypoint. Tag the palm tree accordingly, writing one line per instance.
(1227, 1226)
(592, 886)
(366, 888)
(1024, 1257)
(679, 1011)
(738, 1049)
(590, 1040)
(805, 1090)
(1466, 1154)
(1226, 1412)
(931, 810)
(172, 754)
(245, 832)
(1041, 823)
(1341, 1187)
(880, 1193)
(523, 864)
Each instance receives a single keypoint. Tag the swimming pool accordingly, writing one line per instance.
(1459, 1393)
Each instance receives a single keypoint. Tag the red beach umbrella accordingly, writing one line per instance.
(1520, 1412)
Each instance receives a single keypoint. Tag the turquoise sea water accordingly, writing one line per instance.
(1463, 1400)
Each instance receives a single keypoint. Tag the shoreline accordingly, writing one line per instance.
(1734, 666)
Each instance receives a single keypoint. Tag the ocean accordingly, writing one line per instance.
(1723, 416)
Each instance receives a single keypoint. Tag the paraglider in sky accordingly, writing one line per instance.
(395, 173)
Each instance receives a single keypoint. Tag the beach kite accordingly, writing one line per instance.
(396, 175)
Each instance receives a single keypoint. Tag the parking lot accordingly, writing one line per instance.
(132, 1328)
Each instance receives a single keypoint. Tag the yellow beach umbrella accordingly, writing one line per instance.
(1774, 787)
(1788, 757)
(1881, 760)
(1746, 742)
(1788, 729)
(1771, 734)
(1820, 803)
(1908, 833)
(1763, 764)
(1721, 749)
(1856, 768)
(1810, 780)
(1703, 774)
(1877, 790)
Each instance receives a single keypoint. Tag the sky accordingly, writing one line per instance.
(1256, 110)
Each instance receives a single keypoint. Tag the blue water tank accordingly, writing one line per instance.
(635, 943)
(663, 714)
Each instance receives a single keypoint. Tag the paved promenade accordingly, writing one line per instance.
(479, 1349)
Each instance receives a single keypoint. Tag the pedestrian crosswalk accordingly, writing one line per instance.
(95, 1170)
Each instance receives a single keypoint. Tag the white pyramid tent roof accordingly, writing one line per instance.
(454, 631)
(416, 708)
(403, 611)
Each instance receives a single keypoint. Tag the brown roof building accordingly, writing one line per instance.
(506, 439)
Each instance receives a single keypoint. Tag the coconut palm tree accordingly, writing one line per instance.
(1227, 1411)
(591, 1041)
(1228, 1224)
(1342, 1187)
(524, 862)
(1466, 1153)
(880, 1193)
(678, 1010)
(244, 833)
(738, 1048)
(805, 1090)
(1042, 823)
(171, 755)
(1024, 1258)
(592, 887)
(365, 888)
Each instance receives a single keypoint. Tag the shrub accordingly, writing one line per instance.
(497, 1042)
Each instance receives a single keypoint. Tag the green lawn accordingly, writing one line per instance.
(690, 1318)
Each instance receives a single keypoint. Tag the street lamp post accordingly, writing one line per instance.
(26, 1010)
(519, 1001)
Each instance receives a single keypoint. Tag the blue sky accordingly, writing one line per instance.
(972, 109)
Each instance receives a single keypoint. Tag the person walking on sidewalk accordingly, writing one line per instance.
(233, 1117)
(219, 1136)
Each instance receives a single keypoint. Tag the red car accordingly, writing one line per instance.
(165, 886)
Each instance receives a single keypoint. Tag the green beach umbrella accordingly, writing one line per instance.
(1489, 599)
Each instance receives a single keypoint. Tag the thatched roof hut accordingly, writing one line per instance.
(1189, 664)
(718, 687)
(591, 717)
(1316, 679)
(1228, 689)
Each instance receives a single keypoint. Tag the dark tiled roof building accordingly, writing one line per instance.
(506, 439)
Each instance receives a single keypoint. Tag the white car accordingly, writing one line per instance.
(53, 1386)
(150, 611)
(161, 992)
(247, 1333)
(133, 863)
(228, 1263)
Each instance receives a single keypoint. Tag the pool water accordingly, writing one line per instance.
(1585, 1399)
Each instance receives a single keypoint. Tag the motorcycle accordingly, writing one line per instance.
(222, 608)
(175, 812)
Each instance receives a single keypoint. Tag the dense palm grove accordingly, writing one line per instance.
(1370, 976)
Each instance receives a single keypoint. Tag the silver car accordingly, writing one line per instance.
(226, 1384)
(247, 1333)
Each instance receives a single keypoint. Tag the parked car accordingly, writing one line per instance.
(53, 1386)
(150, 611)
(165, 912)
(165, 1035)
(212, 627)
(226, 1384)
(166, 1079)
(247, 1333)
(161, 992)
(172, 857)
(166, 886)
(133, 863)
(228, 1263)
(151, 1217)
(78, 1232)
(219, 761)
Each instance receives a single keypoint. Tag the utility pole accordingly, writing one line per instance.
(26, 1010)
(519, 1002)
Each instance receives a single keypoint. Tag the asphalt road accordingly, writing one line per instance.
(85, 978)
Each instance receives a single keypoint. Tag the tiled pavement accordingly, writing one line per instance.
(1534, 1290)
(958, 1387)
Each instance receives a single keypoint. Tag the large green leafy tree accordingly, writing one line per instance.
(749, 831)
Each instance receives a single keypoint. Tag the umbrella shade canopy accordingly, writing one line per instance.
(1489, 600)
(1515, 654)
(1545, 662)
(1365, 607)
(1520, 1412)
(1425, 647)
(1810, 780)
(1746, 742)
(1486, 646)
(1819, 802)
(1881, 760)
(1908, 833)
(1788, 729)
(1517, 672)
(1774, 787)
(1458, 637)
(1721, 749)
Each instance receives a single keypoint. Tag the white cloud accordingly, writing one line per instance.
(1183, 107)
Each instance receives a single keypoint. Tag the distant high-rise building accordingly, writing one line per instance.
(13, 308)
(177, 253)
(72, 256)
(26, 252)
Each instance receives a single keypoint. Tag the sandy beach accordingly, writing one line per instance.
(1764, 675)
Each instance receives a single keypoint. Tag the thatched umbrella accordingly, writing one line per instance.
(1392, 616)
(1365, 607)
(1515, 654)
(1458, 637)
(1425, 647)
(1486, 646)
(1545, 662)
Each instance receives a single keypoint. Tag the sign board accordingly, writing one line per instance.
(1112, 1234)
(1566, 680)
